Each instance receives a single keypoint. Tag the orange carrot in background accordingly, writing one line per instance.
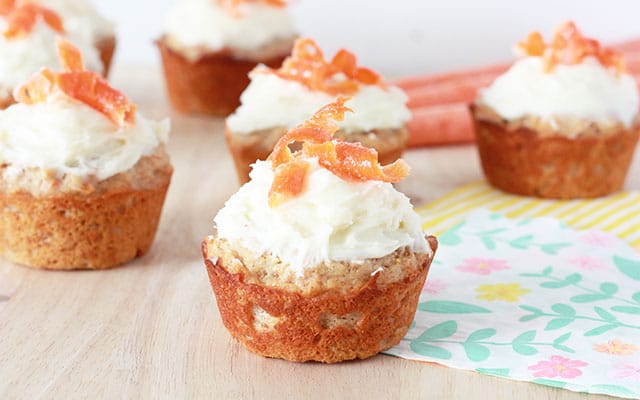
(443, 124)
(462, 90)
(410, 82)
(439, 102)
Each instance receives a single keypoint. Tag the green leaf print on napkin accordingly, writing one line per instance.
(550, 382)
(440, 331)
(561, 317)
(630, 268)
(451, 307)
(502, 372)
(430, 351)
(614, 390)
(433, 334)
(582, 305)
(607, 290)
(451, 237)
(476, 347)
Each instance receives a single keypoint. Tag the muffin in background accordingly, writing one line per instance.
(279, 99)
(318, 257)
(83, 175)
(27, 43)
(209, 46)
(562, 122)
(81, 18)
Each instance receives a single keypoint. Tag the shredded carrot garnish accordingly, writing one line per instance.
(340, 76)
(349, 161)
(85, 86)
(22, 18)
(570, 47)
(233, 6)
(6, 6)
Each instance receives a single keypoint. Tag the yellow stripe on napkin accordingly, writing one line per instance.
(618, 214)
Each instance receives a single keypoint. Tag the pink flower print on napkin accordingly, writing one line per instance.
(599, 238)
(434, 286)
(558, 366)
(587, 263)
(624, 371)
(616, 347)
(483, 266)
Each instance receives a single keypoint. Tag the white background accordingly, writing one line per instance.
(404, 37)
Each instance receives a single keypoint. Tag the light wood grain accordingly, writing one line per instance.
(151, 329)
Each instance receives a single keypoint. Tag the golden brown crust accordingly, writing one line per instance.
(247, 148)
(327, 327)
(148, 173)
(521, 161)
(342, 276)
(106, 47)
(212, 84)
(75, 230)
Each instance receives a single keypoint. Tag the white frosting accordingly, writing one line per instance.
(587, 90)
(270, 101)
(205, 23)
(69, 137)
(23, 56)
(81, 18)
(331, 220)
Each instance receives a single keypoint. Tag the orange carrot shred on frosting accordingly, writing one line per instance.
(568, 46)
(85, 86)
(340, 76)
(22, 18)
(6, 6)
(349, 161)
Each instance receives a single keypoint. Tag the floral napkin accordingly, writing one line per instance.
(532, 299)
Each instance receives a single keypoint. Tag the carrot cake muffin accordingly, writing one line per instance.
(81, 18)
(318, 257)
(27, 43)
(562, 122)
(279, 99)
(209, 47)
(83, 175)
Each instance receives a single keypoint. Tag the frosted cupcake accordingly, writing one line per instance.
(27, 43)
(318, 257)
(279, 99)
(83, 175)
(209, 47)
(82, 19)
(562, 122)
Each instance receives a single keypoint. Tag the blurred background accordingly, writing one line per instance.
(403, 37)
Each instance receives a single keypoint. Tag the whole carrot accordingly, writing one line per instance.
(443, 124)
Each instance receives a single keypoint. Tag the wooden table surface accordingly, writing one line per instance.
(151, 329)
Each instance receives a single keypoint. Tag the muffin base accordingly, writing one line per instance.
(522, 162)
(247, 148)
(326, 327)
(80, 231)
(210, 85)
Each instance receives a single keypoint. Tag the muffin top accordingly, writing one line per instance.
(81, 18)
(27, 43)
(329, 201)
(73, 122)
(253, 29)
(570, 78)
(306, 81)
